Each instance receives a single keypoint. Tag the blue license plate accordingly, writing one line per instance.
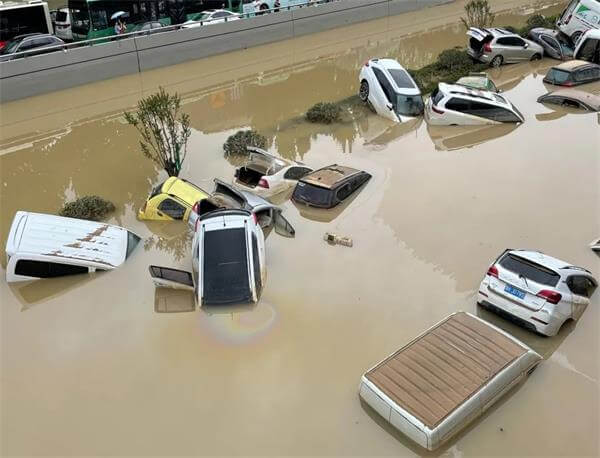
(514, 291)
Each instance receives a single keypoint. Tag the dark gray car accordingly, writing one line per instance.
(555, 44)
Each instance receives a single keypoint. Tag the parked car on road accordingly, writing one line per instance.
(390, 90)
(32, 43)
(535, 290)
(172, 200)
(588, 48)
(62, 24)
(211, 17)
(267, 175)
(578, 17)
(225, 196)
(573, 73)
(148, 26)
(228, 260)
(555, 44)
(452, 104)
(480, 81)
(572, 98)
(496, 46)
(595, 245)
(47, 246)
(329, 186)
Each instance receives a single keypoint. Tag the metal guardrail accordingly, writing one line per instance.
(170, 28)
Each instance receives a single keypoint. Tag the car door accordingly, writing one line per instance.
(282, 225)
(295, 173)
(517, 48)
(381, 101)
(552, 47)
(581, 288)
(165, 277)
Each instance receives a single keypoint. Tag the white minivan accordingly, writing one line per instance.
(578, 17)
(62, 25)
(588, 47)
(228, 260)
(46, 246)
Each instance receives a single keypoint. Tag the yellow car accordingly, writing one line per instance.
(172, 200)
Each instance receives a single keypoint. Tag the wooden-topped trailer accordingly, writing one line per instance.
(435, 385)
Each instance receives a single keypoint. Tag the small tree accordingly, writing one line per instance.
(163, 129)
(479, 14)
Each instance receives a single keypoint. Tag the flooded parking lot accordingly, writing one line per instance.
(98, 366)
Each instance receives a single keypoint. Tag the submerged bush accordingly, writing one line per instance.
(452, 60)
(324, 112)
(94, 208)
(237, 143)
(479, 14)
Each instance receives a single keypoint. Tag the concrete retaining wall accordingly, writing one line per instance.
(60, 70)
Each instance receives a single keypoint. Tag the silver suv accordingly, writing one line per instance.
(497, 46)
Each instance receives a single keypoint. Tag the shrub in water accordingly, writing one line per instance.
(94, 208)
(237, 143)
(324, 112)
(454, 60)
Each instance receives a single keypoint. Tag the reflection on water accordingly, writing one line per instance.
(449, 138)
(31, 293)
(168, 300)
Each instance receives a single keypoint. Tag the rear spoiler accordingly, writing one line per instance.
(225, 212)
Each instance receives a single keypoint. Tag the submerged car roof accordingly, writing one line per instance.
(186, 191)
(329, 176)
(496, 32)
(546, 260)
(69, 238)
(592, 100)
(401, 79)
(478, 94)
(574, 64)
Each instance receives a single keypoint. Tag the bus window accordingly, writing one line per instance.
(23, 19)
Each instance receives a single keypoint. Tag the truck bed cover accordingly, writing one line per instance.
(434, 377)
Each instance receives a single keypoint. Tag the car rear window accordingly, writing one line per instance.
(156, 190)
(529, 270)
(436, 96)
(132, 242)
(401, 78)
(226, 277)
(312, 194)
(558, 76)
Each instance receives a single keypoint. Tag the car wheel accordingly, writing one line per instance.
(363, 92)
(576, 37)
(497, 61)
(536, 56)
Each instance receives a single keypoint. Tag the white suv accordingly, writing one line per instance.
(453, 104)
(535, 290)
(390, 90)
(228, 260)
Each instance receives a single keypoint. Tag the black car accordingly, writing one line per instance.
(555, 44)
(32, 43)
(329, 186)
(573, 73)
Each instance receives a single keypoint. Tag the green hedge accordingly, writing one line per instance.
(94, 208)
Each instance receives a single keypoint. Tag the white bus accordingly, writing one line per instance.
(579, 17)
(18, 18)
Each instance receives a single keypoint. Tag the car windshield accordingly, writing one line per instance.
(226, 277)
(401, 78)
(530, 270)
(558, 76)
(10, 47)
(311, 194)
(409, 105)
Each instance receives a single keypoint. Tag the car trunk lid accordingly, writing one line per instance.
(479, 37)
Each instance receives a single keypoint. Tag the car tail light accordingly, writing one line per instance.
(196, 224)
(2, 44)
(487, 47)
(568, 19)
(367, 63)
(437, 110)
(567, 84)
(493, 271)
(255, 218)
(263, 183)
(551, 296)
(196, 207)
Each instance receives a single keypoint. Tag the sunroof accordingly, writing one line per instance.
(401, 78)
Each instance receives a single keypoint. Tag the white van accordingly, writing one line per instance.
(62, 25)
(578, 17)
(588, 47)
(46, 246)
(228, 260)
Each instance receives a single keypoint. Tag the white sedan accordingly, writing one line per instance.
(267, 175)
(212, 17)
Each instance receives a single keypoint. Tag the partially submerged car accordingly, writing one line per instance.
(496, 46)
(479, 81)
(572, 98)
(47, 246)
(390, 90)
(535, 290)
(228, 260)
(595, 245)
(573, 73)
(226, 196)
(329, 186)
(452, 104)
(556, 45)
(436, 384)
(171, 200)
(267, 175)
(588, 48)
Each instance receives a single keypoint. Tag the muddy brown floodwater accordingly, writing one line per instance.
(98, 366)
